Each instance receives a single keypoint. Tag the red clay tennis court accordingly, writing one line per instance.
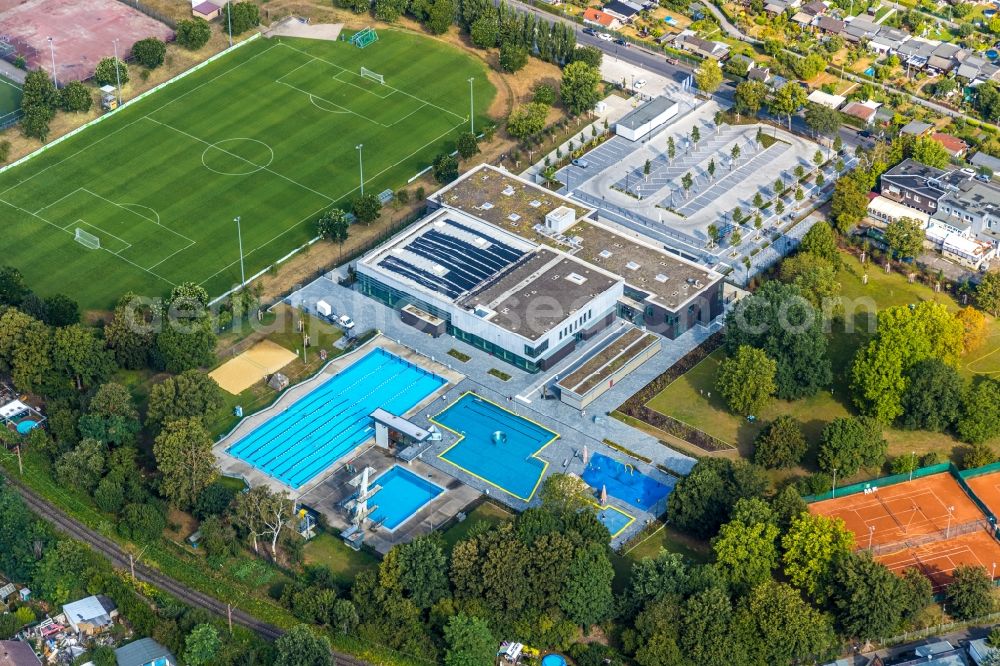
(938, 559)
(987, 489)
(905, 512)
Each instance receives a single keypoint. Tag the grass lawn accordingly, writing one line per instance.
(267, 133)
(345, 563)
(486, 513)
(687, 398)
(10, 98)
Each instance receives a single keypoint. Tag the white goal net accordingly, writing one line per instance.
(369, 74)
(87, 239)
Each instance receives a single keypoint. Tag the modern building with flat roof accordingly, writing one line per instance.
(525, 274)
(524, 303)
(638, 123)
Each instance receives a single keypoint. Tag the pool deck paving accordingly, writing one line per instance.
(327, 495)
(522, 395)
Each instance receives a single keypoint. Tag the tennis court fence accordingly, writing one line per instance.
(932, 537)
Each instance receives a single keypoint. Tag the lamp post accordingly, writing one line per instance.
(993, 573)
(472, 113)
(361, 167)
(871, 532)
(951, 512)
(913, 463)
(52, 52)
(833, 493)
(239, 237)
(118, 76)
(229, 20)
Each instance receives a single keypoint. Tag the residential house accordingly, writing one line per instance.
(863, 111)
(144, 652)
(803, 19)
(980, 653)
(814, 8)
(7, 593)
(780, 6)
(705, 48)
(916, 128)
(826, 99)
(762, 74)
(206, 9)
(955, 146)
(830, 25)
(861, 27)
(92, 615)
(603, 19)
(974, 207)
(981, 159)
(886, 210)
(17, 653)
(941, 653)
(887, 40)
(919, 186)
(624, 10)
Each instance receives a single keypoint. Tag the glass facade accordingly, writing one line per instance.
(397, 299)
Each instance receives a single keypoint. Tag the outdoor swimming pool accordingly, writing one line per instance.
(26, 426)
(401, 495)
(497, 446)
(624, 482)
(330, 421)
(614, 519)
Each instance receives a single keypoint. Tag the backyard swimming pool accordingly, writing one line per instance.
(330, 421)
(624, 482)
(401, 495)
(496, 445)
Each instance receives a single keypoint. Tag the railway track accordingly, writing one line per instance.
(120, 560)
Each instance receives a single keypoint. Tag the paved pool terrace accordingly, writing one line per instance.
(522, 395)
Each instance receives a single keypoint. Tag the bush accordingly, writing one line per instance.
(245, 15)
(75, 97)
(4, 150)
(445, 168)
(781, 444)
(142, 523)
(978, 455)
(544, 94)
(149, 52)
(513, 57)
(193, 33)
(105, 73)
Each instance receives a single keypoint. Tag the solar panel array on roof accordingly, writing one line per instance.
(462, 257)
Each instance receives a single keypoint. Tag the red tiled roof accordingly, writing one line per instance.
(952, 144)
(597, 16)
(859, 111)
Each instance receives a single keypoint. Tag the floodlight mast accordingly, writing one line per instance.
(472, 113)
(118, 77)
(361, 167)
(239, 237)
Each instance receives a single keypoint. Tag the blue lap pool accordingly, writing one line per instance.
(623, 481)
(330, 421)
(496, 445)
(401, 494)
(614, 519)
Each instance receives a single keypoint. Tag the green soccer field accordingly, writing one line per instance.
(267, 133)
(10, 99)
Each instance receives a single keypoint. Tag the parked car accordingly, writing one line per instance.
(590, 31)
(345, 322)
(604, 36)
(673, 61)
(983, 178)
(583, 164)
(639, 83)
(622, 42)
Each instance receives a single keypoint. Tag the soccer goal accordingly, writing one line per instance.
(363, 38)
(87, 239)
(369, 74)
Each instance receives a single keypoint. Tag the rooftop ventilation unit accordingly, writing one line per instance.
(508, 191)
(660, 277)
(535, 203)
(488, 205)
(604, 254)
(632, 266)
(576, 278)
(513, 217)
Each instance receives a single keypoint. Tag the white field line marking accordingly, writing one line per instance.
(52, 224)
(267, 169)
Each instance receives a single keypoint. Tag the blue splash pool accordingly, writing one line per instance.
(870, 71)
(553, 660)
(614, 519)
(623, 481)
(401, 494)
(992, 54)
(496, 445)
(26, 426)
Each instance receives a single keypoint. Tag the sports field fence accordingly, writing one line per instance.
(150, 12)
(931, 537)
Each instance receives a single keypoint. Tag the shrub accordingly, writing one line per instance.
(105, 73)
(193, 33)
(149, 52)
